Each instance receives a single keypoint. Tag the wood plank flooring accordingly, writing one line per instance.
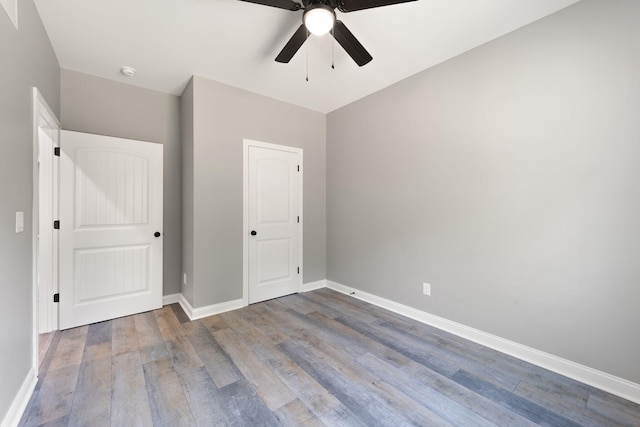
(313, 359)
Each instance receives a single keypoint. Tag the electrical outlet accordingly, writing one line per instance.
(184, 278)
(426, 289)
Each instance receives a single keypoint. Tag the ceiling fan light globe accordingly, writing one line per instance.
(319, 21)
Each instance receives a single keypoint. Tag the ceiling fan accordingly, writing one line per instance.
(319, 18)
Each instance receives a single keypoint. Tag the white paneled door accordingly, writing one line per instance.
(274, 221)
(110, 228)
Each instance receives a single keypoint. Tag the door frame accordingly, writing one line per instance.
(245, 209)
(43, 117)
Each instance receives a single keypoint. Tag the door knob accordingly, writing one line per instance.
(253, 232)
(157, 234)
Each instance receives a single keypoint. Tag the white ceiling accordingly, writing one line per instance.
(235, 42)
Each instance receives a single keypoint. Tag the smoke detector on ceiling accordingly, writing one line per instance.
(127, 71)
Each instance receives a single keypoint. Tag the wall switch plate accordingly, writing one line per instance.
(19, 222)
(426, 289)
(184, 278)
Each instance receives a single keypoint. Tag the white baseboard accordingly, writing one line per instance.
(612, 384)
(19, 404)
(209, 310)
(171, 299)
(312, 286)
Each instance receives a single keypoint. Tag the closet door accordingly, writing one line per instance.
(274, 211)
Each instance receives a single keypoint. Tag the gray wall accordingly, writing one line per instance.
(27, 60)
(105, 107)
(508, 178)
(222, 117)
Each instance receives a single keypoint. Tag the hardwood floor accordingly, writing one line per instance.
(313, 359)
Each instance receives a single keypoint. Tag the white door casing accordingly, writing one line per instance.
(273, 210)
(46, 135)
(110, 208)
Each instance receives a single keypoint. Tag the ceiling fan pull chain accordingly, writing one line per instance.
(307, 52)
(333, 50)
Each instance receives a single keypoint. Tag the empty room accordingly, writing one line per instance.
(320, 213)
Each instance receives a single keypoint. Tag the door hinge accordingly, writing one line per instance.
(56, 151)
(56, 297)
(56, 225)
(298, 270)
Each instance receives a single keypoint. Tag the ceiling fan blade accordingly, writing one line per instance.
(294, 43)
(280, 4)
(350, 44)
(353, 5)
